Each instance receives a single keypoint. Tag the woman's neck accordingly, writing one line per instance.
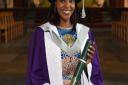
(65, 24)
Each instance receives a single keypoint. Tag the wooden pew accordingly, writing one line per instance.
(120, 28)
(3, 26)
(9, 28)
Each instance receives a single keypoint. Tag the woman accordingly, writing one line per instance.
(56, 46)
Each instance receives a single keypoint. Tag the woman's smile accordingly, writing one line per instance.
(65, 9)
(67, 12)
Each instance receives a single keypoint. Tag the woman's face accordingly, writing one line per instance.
(65, 8)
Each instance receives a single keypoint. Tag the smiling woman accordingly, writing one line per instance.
(56, 48)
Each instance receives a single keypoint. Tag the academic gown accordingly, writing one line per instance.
(38, 74)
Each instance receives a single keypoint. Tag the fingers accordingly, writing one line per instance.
(91, 51)
(88, 61)
(90, 56)
(93, 46)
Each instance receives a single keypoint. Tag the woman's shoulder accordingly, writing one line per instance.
(46, 26)
(38, 30)
(41, 28)
(82, 26)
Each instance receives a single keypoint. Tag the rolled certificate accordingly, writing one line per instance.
(81, 65)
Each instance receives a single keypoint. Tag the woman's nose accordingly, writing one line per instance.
(67, 4)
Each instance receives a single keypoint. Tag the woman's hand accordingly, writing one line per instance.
(91, 51)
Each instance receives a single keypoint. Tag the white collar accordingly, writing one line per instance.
(47, 27)
(82, 34)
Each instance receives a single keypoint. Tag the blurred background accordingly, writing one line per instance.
(108, 19)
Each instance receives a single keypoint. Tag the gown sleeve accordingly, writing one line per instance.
(96, 76)
(37, 73)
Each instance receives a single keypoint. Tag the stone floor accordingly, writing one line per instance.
(113, 59)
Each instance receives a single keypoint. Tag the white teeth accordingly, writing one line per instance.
(66, 12)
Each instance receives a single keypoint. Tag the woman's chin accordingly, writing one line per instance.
(66, 18)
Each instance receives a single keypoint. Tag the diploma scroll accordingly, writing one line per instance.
(81, 65)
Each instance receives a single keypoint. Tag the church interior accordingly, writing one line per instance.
(108, 19)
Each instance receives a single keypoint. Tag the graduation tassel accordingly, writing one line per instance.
(83, 11)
